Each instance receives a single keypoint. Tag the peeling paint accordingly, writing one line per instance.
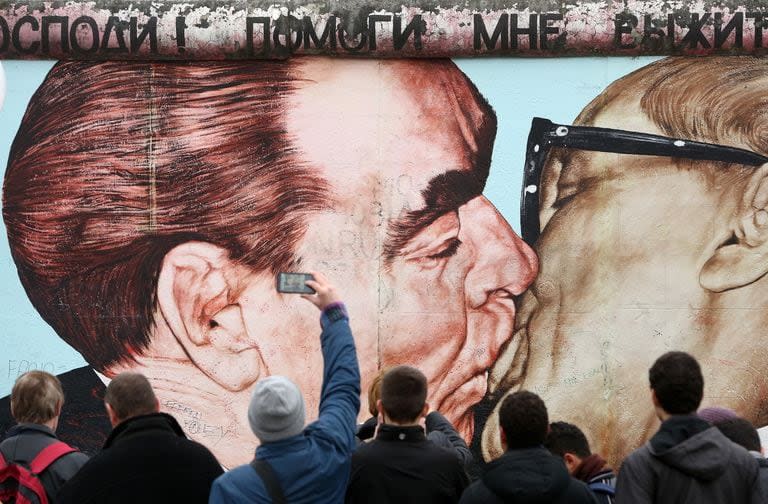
(259, 29)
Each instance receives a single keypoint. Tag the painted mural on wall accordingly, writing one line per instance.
(237, 29)
(148, 207)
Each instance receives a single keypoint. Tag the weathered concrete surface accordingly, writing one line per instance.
(257, 29)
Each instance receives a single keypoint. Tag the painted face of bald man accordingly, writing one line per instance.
(426, 262)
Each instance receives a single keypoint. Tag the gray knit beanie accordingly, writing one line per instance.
(277, 409)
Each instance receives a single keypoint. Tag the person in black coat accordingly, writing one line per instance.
(401, 465)
(147, 458)
(527, 473)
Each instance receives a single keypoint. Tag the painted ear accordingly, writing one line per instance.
(742, 258)
(196, 294)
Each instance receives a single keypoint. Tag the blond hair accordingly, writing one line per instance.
(374, 392)
(36, 397)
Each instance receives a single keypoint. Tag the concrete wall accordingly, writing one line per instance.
(149, 205)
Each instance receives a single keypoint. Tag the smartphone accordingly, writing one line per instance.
(294, 283)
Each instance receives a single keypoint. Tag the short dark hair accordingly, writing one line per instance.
(741, 432)
(403, 393)
(678, 383)
(130, 395)
(565, 438)
(523, 419)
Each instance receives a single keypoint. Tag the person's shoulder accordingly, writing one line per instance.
(478, 492)
(742, 462)
(196, 453)
(640, 455)
(242, 481)
(76, 459)
(242, 473)
(440, 454)
(578, 493)
(367, 450)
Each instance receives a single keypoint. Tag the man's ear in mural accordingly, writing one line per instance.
(742, 258)
(197, 296)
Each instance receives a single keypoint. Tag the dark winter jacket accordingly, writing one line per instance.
(439, 430)
(146, 459)
(23, 444)
(688, 461)
(311, 467)
(402, 466)
(528, 476)
(763, 475)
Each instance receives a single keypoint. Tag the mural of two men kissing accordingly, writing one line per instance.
(149, 206)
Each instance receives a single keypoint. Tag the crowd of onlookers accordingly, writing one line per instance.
(404, 453)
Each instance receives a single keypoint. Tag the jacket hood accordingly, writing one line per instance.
(527, 476)
(693, 447)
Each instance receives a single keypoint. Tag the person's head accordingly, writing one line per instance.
(150, 206)
(741, 432)
(523, 420)
(276, 410)
(568, 442)
(403, 394)
(677, 384)
(642, 253)
(37, 398)
(374, 393)
(715, 414)
(129, 395)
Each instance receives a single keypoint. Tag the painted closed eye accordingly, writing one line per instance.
(449, 249)
(435, 243)
(564, 197)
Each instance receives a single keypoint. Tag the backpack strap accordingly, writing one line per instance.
(602, 488)
(269, 478)
(49, 455)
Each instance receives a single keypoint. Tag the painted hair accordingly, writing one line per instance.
(713, 99)
(116, 163)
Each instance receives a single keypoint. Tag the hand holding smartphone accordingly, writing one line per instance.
(294, 283)
(320, 292)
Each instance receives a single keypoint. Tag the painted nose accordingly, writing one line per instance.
(503, 264)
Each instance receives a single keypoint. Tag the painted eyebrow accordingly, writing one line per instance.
(444, 193)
